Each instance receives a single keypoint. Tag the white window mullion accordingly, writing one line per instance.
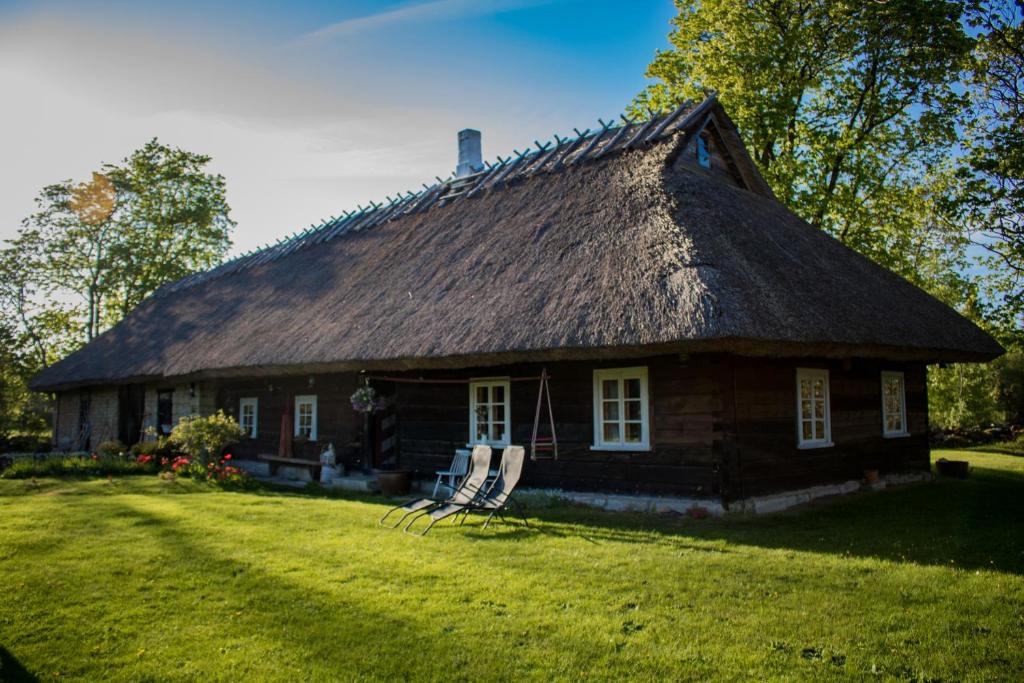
(489, 407)
(305, 417)
(894, 404)
(248, 416)
(813, 412)
(621, 409)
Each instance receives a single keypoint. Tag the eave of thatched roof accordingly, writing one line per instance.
(622, 254)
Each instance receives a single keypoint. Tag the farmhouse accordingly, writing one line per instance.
(699, 338)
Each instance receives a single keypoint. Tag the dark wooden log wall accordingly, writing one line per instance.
(721, 425)
(337, 423)
(761, 449)
(684, 405)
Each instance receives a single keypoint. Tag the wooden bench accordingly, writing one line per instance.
(275, 461)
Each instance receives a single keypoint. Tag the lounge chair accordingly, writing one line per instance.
(497, 498)
(470, 488)
(455, 473)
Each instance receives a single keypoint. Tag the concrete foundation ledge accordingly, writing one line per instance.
(354, 481)
(253, 468)
(759, 505)
(625, 502)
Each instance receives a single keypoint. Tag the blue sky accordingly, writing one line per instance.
(306, 107)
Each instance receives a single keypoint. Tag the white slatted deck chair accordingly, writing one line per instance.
(451, 477)
(470, 487)
(496, 499)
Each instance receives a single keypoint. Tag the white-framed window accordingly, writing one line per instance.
(894, 404)
(248, 409)
(489, 412)
(621, 410)
(814, 419)
(305, 417)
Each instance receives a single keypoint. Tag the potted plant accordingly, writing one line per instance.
(365, 400)
(394, 482)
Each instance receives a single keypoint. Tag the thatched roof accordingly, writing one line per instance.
(573, 255)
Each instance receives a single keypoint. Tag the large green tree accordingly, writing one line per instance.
(844, 105)
(991, 197)
(93, 250)
(172, 219)
(895, 126)
(985, 202)
(110, 242)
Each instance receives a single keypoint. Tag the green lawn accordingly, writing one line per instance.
(141, 579)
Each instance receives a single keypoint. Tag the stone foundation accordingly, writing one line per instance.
(757, 505)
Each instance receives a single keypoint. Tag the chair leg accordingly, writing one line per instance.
(386, 515)
(429, 526)
(414, 518)
(404, 518)
(489, 518)
(522, 516)
(522, 513)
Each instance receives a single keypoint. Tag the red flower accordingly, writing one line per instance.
(227, 456)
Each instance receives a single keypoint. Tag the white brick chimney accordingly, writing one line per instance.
(470, 156)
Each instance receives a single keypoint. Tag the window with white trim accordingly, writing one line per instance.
(247, 415)
(305, 417)
(814, 420)
(620, 409)
(489, 412)
(894, 404)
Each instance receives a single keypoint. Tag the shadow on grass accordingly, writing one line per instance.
(346, 622)
(11, 670)
(968, 524)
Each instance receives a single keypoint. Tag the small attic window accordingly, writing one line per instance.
(703, 156)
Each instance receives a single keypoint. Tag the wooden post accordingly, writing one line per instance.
(367, 443)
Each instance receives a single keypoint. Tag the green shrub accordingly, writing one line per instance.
(25, 443)
(204, 438)
(111, 448)
(79, 464)
(159, 448)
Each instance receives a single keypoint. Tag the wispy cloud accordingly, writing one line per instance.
(433, 10)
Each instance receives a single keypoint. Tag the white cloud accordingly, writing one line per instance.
(297, 136)
(435, 10)
(292, 150)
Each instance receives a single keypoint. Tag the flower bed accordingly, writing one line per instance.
(220, 471)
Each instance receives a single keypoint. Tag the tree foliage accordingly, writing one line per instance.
(842, 104)
(172, 217)
(112, 241)
(894, 126)
(991, 197)
(93, 250)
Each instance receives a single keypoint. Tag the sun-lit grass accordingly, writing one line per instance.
(140, 579)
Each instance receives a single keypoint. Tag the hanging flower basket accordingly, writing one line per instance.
(365, 400)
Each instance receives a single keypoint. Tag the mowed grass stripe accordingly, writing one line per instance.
(137, 579)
